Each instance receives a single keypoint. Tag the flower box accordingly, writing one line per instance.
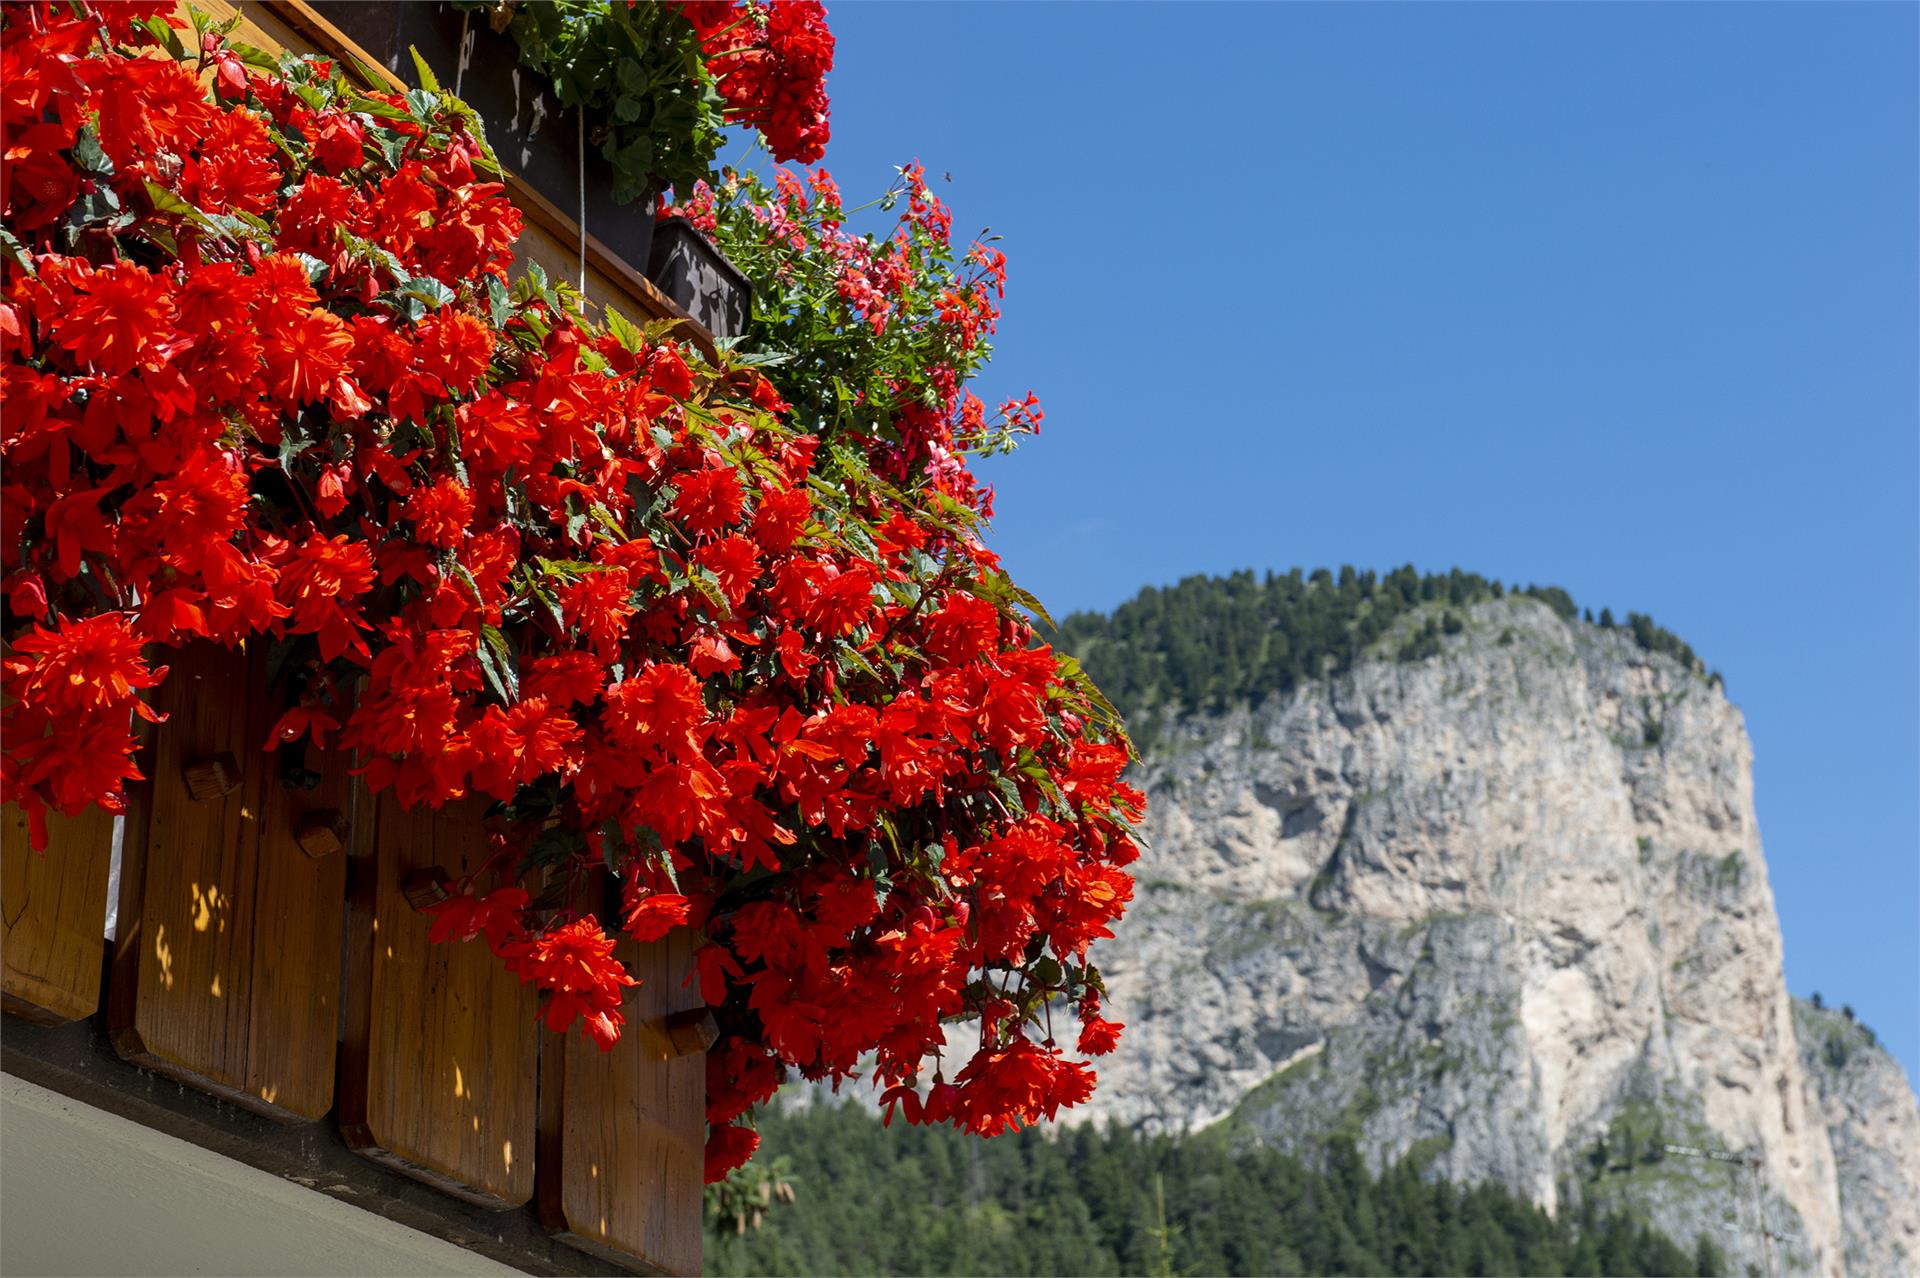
(530, 132)
(693, 272)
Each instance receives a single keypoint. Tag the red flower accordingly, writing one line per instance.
(708, 501)
(599, 603)
(319, 578)
(338, 142)
(310, 351)
(1098, 1037)
(456, 348)
(782, 514)
(1008, 1088)
(802, 737)
(463, 916)
(122, 316)
(440, 513)
(651, 916)
(661, 706)
(573, 965)
(81, 666)
(733, 563)
(728, 1148)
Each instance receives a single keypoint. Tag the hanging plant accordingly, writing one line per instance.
(266, 377)
(662, 81)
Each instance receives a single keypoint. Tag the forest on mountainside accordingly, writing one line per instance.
(869, 1199)
(1209, 643)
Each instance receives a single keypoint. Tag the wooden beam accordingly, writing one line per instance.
(55, 914)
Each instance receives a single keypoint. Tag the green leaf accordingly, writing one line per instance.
(539, 591)
(162, 33)
(613, 843)
(428, 80)
(499, 301)
(623, 331)
(392, 147)
(254, 56)
(16, 251)
(504, 670)
(88, 155)
(369, 106)
(428, 290)
(166, 201)
(1032, 605)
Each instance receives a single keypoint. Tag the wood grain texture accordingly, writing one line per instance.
(622, 1132)
(53, 906)
(227, 966)
(441, 1044)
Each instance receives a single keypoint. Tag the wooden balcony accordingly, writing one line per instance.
(266, 957)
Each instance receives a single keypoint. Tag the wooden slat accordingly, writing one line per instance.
(621, 1132)
(441, 1041)
(227, 965)
(54, 908)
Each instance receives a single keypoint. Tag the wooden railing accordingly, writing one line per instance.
(266, 952)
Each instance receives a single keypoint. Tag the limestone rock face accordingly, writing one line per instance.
(1504, 910)
(1874, 1124)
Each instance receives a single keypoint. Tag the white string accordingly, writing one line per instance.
(583, 199)
(460, 63)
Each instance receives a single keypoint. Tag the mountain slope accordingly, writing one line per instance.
(1873, 1121)
(1503, 905)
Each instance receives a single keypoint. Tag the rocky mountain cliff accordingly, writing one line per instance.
(1504, 908)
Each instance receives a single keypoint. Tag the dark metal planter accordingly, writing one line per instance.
(689, 269)
(530, 132)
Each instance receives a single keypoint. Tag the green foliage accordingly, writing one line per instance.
(639, 73)
(873, 1200)
(1212, 642)
(1422, 644)
(867, 334)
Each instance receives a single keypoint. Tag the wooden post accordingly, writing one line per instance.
(227, 965)
(53, 905)
(441, 1043)
(622, 1132)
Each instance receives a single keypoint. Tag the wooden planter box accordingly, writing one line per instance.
(530, 132)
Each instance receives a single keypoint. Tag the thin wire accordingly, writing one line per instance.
(583, 199)
(460, 63)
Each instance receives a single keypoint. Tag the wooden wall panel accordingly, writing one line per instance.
(53, 914)
(441, 1044)
(621, 1132)
(227, 965)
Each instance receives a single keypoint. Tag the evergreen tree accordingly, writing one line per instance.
(1210, 643)
(907, 1200)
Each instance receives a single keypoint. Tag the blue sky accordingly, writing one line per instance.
(1622, 298)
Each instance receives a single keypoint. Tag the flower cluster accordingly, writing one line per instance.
(266, 376)
(663, 81)
(770, 62)
(877, 335)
